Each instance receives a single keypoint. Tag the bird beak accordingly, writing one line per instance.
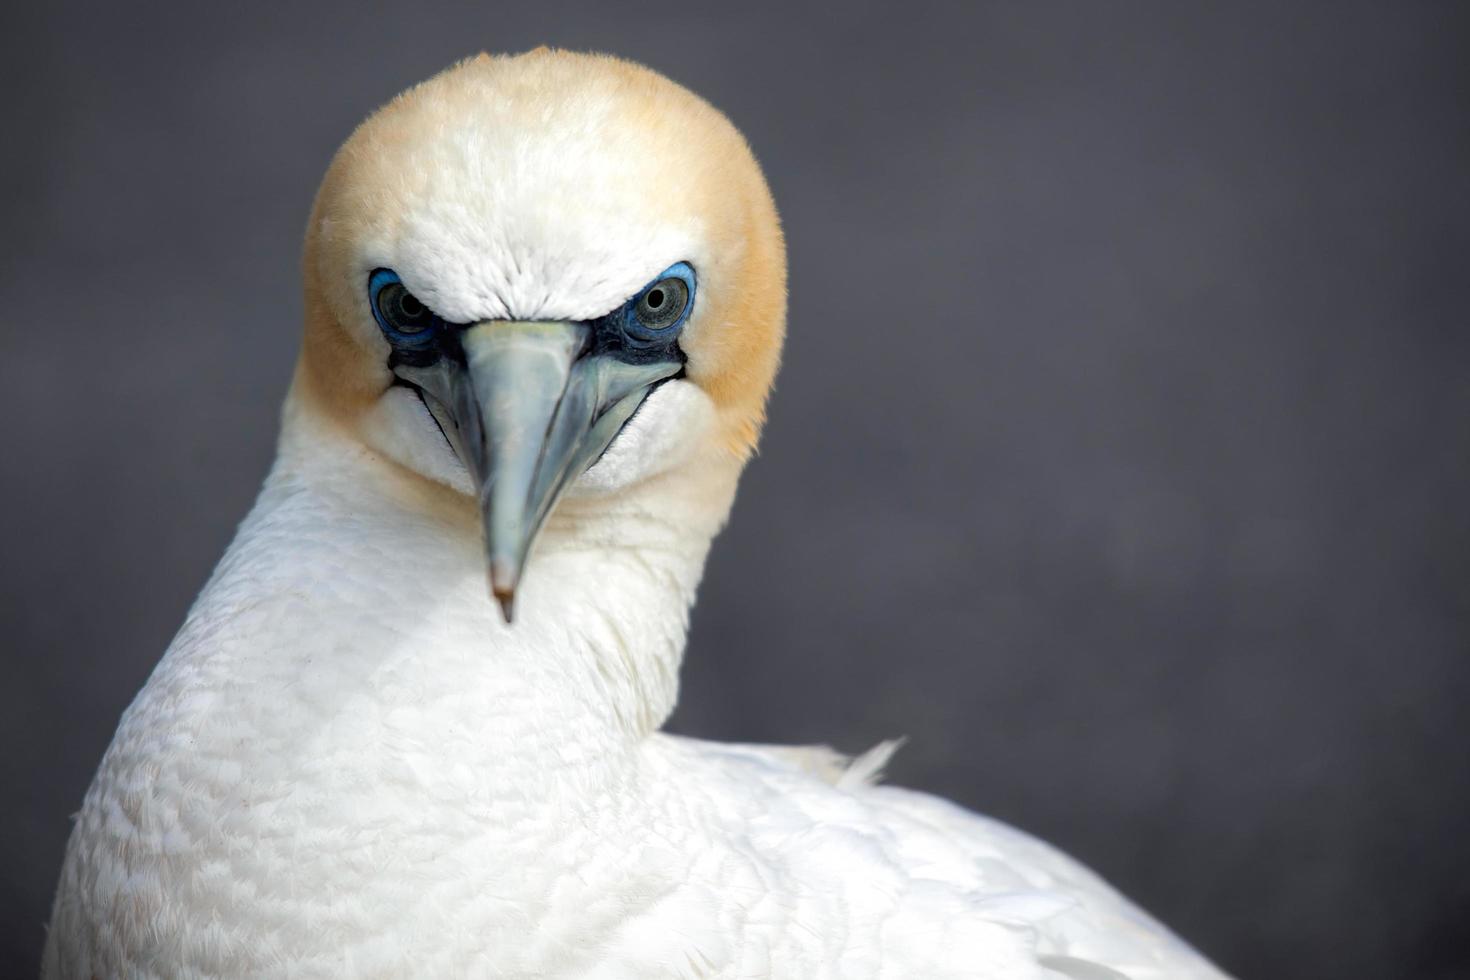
(528, 406)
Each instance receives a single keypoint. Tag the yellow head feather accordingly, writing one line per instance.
(571, 150)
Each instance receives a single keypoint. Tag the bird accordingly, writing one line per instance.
(412, 724)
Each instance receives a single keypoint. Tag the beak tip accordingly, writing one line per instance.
(503, 588)
(507, 600)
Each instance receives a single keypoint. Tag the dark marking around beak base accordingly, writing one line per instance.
(528, 408)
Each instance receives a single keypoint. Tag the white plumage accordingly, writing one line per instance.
(347, 764)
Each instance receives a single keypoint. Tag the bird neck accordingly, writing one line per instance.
(372, 584)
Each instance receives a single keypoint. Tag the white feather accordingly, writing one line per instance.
(345, 765)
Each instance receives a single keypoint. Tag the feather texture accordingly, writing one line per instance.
(345, 765)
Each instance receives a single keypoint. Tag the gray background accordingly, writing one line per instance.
(1120, 458)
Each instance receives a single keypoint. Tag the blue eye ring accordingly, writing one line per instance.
(660, 309)
(403, 318)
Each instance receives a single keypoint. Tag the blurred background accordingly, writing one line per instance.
(1121, 456)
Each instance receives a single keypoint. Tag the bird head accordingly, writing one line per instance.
(530, 267)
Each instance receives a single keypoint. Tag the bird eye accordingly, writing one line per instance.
(655, 314)
(400, 314)
(662, 304)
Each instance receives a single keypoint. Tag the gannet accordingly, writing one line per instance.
(410, 727)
